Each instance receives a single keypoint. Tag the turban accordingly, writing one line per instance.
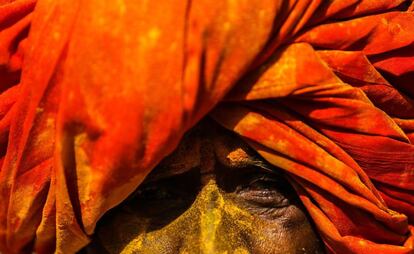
(95, 93)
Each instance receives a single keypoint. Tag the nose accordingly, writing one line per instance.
(212, 224)
(210, 203)
(217, 225)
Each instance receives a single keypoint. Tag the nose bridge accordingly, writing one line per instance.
(211, 213)
(221, 223)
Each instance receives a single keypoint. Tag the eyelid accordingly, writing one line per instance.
(256, 177)
(266, 197)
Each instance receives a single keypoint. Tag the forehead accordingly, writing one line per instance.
(203, 147)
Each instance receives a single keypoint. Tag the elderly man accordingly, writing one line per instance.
(306, 100)
(213, 194)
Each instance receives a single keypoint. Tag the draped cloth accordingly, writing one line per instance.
(94, 94)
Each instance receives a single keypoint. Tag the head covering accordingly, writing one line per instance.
(321, 89)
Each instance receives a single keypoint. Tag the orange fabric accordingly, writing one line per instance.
(321, 89)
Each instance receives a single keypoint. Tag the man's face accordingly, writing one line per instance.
(212, 195)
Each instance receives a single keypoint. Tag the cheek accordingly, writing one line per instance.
(288, 233)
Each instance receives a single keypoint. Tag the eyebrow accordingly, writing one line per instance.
(255, 161)
(244, 157)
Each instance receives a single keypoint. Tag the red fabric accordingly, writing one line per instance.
(321, 89)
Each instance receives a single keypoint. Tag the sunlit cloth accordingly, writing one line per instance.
(321, 89)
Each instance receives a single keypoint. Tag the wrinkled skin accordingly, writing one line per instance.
(212, 195)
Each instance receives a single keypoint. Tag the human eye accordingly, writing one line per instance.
(264, 190)
(165, 198)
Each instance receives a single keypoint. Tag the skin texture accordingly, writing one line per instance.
(212, 195)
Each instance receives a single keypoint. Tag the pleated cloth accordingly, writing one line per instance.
(93, 94)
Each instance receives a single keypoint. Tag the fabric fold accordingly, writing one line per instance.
(94, 95)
